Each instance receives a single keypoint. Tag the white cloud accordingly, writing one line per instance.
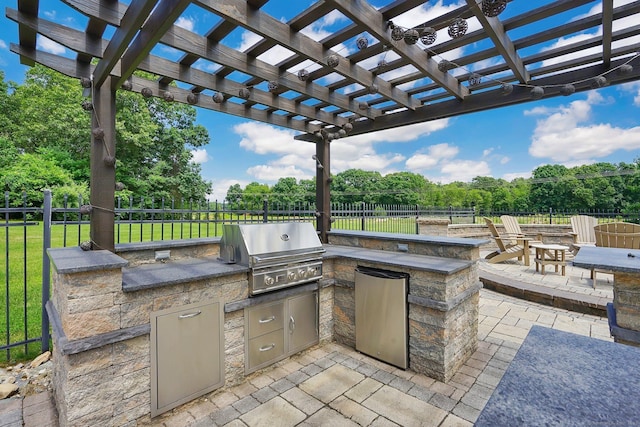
(403, 134)
(633, 87)
(511, 176)
(261, 138)
(221, 186)
(463, 170)
(272, 172)
(49, 45)
(293, 158)
(186, 23)
(565, 135)
(3, 44)
(435, 154)
(200, 156)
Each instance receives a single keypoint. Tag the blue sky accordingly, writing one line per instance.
(596, 126)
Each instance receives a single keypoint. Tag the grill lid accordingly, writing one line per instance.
(253, 244)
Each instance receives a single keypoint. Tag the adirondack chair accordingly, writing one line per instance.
(512, 228)
(583, 232)
(507, 249)
(616, 235)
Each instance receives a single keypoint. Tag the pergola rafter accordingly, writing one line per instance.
(384, 83)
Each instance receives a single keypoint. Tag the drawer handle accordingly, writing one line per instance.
(267, 347)
(186, 316)
(267, 320)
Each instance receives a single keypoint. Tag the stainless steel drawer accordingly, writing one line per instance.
(264, 349)
(265, 318)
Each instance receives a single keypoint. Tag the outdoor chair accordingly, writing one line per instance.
(506, 248)
(512, 228)
(616, 235)
(583, 232)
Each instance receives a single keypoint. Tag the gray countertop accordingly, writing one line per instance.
(562, 379)
(612, 259)
(418, 238)
(148, 276)
(399, 259)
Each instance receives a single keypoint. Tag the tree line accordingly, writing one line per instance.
(599, 186)
(45, 137)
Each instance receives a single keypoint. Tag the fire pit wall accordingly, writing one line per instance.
(101, 304)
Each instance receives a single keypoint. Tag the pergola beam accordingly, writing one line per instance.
(238, 12)
(136, 14)
(494, 29)
(365, 15)
(76, 69)
(162, 18)
(607, 30)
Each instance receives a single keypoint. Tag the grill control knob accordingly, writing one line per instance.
(311, 271)
(302, 273)
(268, 280)
(291, 275)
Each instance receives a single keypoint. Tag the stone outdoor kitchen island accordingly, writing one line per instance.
(104, 303)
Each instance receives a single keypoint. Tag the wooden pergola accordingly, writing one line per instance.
(389, 75)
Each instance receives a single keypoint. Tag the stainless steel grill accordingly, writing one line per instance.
(279, 255)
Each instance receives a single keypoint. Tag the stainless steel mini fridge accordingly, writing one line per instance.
(382, 315)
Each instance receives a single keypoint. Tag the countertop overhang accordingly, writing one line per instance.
(612, 259)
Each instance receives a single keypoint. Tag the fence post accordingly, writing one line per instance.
(473, 214)
(46, 244)
(550, 216)
(363, 220)
(265, 214)
(417, 217)
(450, 214)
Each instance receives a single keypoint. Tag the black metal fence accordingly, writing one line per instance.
(29, 231)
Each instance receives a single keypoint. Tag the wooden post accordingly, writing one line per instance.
(103, 172)
(323, 194)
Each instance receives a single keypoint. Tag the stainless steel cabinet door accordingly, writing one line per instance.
(303, 321)
(187, 354)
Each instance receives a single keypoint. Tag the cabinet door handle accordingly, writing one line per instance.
(267, 347)
(186, 316)
(267, 320)
(292, 324)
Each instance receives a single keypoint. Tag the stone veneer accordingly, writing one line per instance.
(100, 318)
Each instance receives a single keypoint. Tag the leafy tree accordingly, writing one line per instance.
(30, 175)
(234, 196)
(254, 195)
(356, 185)
(154, 138)
(287, 192)
(550, 189)
(402, 188)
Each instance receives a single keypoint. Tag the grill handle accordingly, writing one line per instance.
(292, 324)
(288, 257)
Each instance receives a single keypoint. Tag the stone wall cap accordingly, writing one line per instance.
(419, 238)
(399, 260)
(75, 260)
(166, 244)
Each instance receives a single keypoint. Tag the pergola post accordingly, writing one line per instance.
(103, 172)
(323, 194)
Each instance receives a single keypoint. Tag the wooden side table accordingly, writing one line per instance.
(550, 255)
